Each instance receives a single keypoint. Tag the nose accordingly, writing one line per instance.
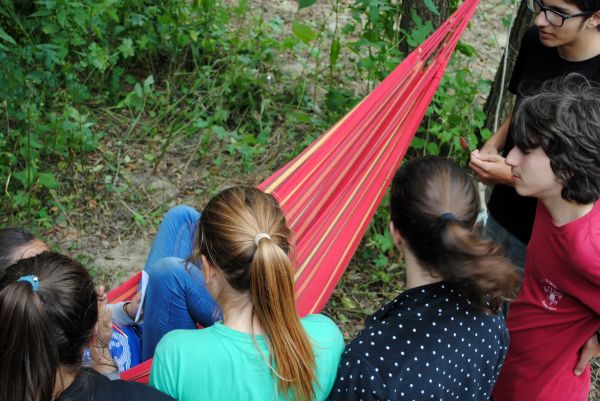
(514, 157)
(540, 19)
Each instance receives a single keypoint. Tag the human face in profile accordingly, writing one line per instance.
(532, 174)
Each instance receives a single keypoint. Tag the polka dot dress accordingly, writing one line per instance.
(430, 343)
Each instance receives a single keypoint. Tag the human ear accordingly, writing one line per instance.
(208, 270)
(396, 234)
(594, 20)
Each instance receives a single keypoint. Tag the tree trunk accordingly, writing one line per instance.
(407, 23)
(499, 96)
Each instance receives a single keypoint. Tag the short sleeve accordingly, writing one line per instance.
(356, 380)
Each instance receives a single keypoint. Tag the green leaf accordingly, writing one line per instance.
(48, 180)
(126, 48)
(466, 49)
(431, 6)
(417, 143)
(6, 37)
(305, 3)
(303, 32)
(433, 149)
(334, 52)
(148, 82)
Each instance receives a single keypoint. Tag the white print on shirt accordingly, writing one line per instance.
(552, 295)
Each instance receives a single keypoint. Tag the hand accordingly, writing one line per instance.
(589, 350)
(100, 354)
(103, 329)
(490, 167)
(132, 307)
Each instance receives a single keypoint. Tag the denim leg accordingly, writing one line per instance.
(176, 298)
(175, 236)
(514, 248)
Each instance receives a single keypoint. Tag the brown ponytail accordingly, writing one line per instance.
(434, 205)
(228, 232)
(43, 328)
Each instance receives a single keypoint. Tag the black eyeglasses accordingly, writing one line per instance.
(552, 16)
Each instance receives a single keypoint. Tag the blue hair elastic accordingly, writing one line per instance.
(32, 280)
(446, 217)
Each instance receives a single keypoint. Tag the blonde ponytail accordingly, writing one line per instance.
(243, 232)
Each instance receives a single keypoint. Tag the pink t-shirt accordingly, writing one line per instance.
(556, 312)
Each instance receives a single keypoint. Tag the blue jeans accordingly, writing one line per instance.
(176, 297)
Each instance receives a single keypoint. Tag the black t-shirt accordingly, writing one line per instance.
(535, 64)
(93, 386)
(430, 343)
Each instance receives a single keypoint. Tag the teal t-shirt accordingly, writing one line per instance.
(222, 364)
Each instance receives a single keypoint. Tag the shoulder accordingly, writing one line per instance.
(182, 345)
(325, 336)
(321, 327)
(93, 385)
(357, 379)
(131, 391)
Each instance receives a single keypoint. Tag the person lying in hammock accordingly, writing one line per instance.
(443, 337)
(261, 350)
(49, 310)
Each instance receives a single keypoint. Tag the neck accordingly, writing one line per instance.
(564, 212)
(585, 48)
(416, 275)
(65, 376)
(238, 312)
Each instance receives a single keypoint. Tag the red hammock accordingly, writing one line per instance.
(330, 192)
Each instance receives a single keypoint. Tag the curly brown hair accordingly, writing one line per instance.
(564, 120)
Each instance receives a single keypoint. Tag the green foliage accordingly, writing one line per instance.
(65, 65)
(81, 81)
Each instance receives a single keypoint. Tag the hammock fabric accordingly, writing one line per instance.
(330, 192)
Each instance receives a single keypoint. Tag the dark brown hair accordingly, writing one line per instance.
(434, 206)
(228, 230)
(11, 240)
(45, 329)
(564, 120)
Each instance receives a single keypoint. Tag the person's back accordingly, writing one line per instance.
(195, 363)
(261, 350)
(554, 320)
(443, 337)
(49, 308)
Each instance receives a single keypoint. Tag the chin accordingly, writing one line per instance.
(522, 191)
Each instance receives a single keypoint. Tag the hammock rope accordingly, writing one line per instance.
(330, 192)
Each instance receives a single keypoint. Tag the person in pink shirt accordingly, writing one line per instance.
(554, 322)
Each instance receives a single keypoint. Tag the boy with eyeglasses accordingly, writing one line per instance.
(565, 39)
(554, 321)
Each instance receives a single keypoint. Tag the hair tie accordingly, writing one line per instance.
(32, 280)
(261, 236)
(444, 217)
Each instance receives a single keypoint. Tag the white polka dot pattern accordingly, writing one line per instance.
(430, 343)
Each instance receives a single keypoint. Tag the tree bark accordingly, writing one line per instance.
(499, 95)
(407, 23)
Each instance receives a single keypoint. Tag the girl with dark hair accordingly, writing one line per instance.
(443, 338)
(261, 350)
(15, 244)
(49, 308)
(175, 296)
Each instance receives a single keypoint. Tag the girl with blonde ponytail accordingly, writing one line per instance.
(261, 350)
